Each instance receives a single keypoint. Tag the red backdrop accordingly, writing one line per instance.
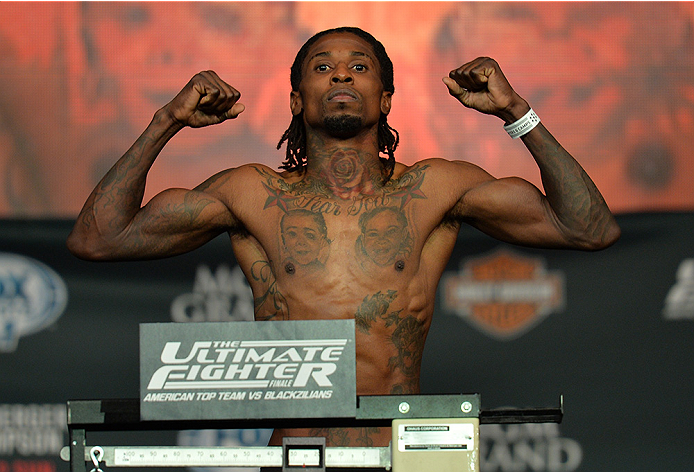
(79, 81)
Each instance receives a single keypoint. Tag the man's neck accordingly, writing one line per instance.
(347, 168)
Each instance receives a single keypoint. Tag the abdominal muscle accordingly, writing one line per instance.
(392, 315)
(384, 367)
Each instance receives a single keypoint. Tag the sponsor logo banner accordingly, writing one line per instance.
(503, 294)
(32, 297)
(220, 295)
(31, 430)
(247, 370)
(679, 303)
(537, 447)
(31, 436)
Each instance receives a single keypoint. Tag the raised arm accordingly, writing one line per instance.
(113, 225)
(571, 213)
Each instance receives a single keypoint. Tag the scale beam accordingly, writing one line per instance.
(270, 456)
(428, 429)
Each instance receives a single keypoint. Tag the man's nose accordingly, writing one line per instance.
(342, 74)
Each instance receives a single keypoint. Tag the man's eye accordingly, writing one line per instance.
(323, 68)
(360, 68)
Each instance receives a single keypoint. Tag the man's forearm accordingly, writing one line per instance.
(571, 193)
(117, 198)
(578, 210)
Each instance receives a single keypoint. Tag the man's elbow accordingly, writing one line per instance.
(86, 248)
(613, 234)
(603, 239)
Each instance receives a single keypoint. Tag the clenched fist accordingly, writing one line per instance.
(482, 86)
(205, 100)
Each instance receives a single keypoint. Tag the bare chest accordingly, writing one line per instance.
(329, 263)
(309, 251)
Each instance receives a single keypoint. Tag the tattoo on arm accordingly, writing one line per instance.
(572, 194)
(185, 213)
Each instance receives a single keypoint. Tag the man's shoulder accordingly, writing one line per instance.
(251, 170)
(437, 167)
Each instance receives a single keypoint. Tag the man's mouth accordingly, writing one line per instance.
(342, 95)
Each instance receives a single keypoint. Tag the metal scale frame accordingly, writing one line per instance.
(430, 432)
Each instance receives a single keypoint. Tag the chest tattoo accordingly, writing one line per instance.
(385, 236)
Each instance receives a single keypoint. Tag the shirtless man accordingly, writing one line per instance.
(340, 99)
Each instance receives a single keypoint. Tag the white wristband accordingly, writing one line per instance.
(523, 126)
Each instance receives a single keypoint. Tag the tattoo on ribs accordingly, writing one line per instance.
(374, 308)
(408, 339)
(271, 303)
(408, 335)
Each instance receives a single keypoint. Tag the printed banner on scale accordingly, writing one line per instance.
(244, 370)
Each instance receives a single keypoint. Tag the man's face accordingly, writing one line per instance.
(341, 83)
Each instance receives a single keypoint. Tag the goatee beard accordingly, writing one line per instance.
(342, 126)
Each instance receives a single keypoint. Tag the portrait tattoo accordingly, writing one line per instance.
(384, 237)
(304, 237)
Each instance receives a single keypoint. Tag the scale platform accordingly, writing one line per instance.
(430, 432)
(288, 374)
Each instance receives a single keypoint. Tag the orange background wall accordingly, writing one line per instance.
(79, 81)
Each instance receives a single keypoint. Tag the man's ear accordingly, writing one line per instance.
(386, 99)
(295, 102)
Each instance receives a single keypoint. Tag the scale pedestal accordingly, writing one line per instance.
(436, 444)
(286, 374)
(430, 432)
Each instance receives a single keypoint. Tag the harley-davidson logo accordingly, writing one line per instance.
(504, 294)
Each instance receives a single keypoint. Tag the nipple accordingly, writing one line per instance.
(400, 265)
(289, 268)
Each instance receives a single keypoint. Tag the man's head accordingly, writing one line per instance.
(296, 133)
(383, 60)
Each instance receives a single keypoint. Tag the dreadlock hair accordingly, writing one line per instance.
(295, 135)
